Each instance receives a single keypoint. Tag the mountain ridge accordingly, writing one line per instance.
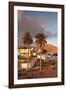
(51, 48)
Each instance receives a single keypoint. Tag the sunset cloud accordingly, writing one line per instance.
(34, 24)
(54, 35)
(40, 20)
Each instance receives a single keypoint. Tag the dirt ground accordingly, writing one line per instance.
(46, 72)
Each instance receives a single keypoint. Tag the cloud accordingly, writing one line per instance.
(32, 25)
(53, 35)
(29, 23)
(20, 15)
(40, 20)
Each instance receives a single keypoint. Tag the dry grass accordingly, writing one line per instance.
(46, 72)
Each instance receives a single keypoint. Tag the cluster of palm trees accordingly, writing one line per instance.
(27, 39)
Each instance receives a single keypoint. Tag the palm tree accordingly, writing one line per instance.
(27, 40)
(44, 42)
(40, 41)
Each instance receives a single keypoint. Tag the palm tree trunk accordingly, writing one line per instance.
(28, 60)
(40, 62)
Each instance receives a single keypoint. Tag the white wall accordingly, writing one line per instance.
(4, 43)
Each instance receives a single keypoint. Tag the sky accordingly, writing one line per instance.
(38, 22)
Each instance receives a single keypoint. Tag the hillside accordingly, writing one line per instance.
(51, 49)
